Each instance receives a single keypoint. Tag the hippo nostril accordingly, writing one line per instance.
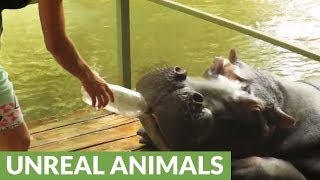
(177, 69)
(197, 97)
(180, 73)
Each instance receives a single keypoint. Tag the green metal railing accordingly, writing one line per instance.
(124, 55)
(123, 16)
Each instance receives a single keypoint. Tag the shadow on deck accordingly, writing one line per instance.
(105, 132)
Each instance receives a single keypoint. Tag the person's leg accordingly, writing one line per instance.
(14, 135)
(15, 139)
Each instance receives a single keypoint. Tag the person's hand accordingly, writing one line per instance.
(98, 90)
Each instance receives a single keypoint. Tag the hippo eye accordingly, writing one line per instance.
(177, 69)
(247, 89)
(255, 112)
(197, 98)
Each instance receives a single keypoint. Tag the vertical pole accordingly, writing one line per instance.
(123, 26)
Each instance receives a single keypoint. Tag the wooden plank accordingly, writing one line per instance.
(89, 140)
(58, 134)
(126, 144)
(52, 123)
(145, 148)
(58, 124)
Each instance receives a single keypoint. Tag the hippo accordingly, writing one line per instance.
(299, 99)
(271, 125)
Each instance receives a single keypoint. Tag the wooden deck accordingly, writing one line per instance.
(105, 132)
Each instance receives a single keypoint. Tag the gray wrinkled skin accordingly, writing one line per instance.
(271, 125)
(201, 114)
(300, 101)
(212, 114)
(171, 101)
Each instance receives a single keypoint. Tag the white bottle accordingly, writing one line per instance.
(127, 102)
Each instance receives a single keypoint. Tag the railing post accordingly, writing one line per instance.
(123, 31)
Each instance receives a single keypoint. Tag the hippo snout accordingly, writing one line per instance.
(181, 116)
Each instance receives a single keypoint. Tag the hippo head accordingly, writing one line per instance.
(181, 119)
(258, 83)
(202, 114)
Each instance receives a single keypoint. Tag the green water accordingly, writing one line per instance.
(160, 37)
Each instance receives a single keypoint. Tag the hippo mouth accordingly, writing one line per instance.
(150, 122)
(175, 132)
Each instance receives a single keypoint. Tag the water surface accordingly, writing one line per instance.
(160, 37)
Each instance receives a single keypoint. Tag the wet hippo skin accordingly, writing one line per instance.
(270, 125)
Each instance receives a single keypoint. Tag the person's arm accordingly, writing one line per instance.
(61, 47)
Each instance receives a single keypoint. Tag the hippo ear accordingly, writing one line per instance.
(218, 65)
(233, 57)
(285, 120)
